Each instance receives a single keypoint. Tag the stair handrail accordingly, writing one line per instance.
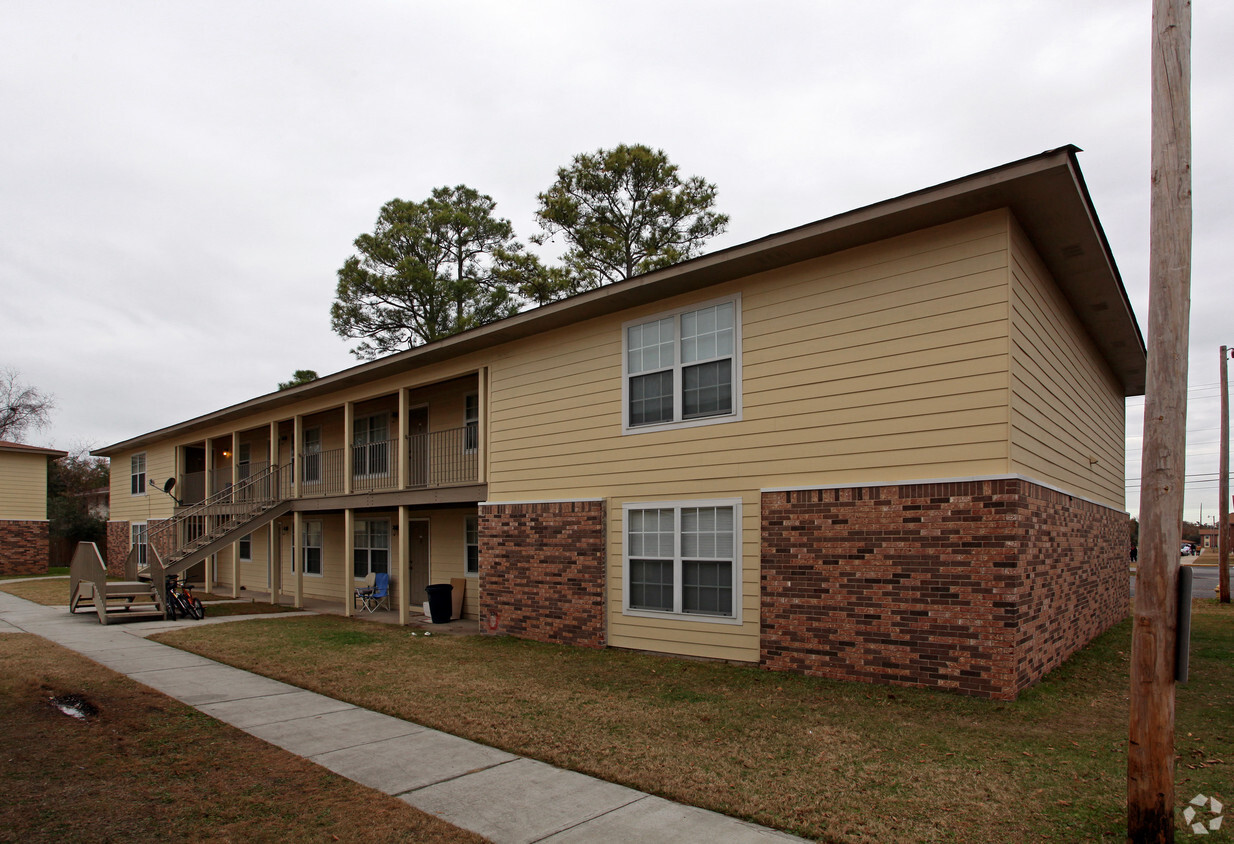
(224, 496)
(87, 567)
(158, 579)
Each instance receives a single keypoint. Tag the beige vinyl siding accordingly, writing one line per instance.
(883, 363)
(329, 585)
(254, 572)
(23, 486)
(152, 504)
(446, 556)
(1067, 407)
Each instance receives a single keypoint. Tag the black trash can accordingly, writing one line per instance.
(440, 600)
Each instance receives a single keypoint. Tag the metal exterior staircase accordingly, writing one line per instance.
(206, 528)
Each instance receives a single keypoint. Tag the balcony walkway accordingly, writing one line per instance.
(503, 797)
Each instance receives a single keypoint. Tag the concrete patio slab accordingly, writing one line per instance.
(521, 801)
(412, 761)
(210, 684)
(332, 731)
(256, 711)
(653, 820)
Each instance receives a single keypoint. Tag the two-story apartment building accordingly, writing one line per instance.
(885, 446)
(23, 507)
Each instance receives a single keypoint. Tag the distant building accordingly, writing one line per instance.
(23, 507)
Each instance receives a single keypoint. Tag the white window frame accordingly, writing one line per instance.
(471, 423)
(139, 537)
(134, 474)
(733, 416)
(677, 507)
(311, 456)
(304, 546)
(467, 546)
(368, 534)
(247, 539)
(367, 421)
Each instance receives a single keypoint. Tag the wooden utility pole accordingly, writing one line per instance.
(1223, 510)
(1150, 751)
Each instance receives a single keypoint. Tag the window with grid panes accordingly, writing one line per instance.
(682, 558)
(683, 367)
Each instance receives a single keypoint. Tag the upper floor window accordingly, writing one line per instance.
(683, 368)
(471, 422)
(370, 450)
(138, 474)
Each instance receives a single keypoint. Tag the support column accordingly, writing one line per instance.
(349, 426)
(209, 478)
(297, 555)
(275, 571)
(297, 446)
(403, 558)
(349, 556)
(401, 442)
(272, 459)
(482, 426)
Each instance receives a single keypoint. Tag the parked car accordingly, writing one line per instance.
(1186, 550)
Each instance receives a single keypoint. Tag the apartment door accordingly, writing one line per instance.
(418, 560)
(417, 446)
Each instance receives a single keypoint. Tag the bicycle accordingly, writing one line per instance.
(180, 600)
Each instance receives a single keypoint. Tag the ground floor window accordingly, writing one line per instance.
(372, 547)
(310, 547)
(683, 558)
(471, 544)
(246, 548)
(138, 534)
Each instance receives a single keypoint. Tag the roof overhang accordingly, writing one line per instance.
(1045, 192)
(22, 448)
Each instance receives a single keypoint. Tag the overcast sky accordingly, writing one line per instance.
(180, 182)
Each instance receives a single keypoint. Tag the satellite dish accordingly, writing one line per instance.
(169, 485)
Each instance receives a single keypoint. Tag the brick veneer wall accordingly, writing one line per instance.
(542, 571)
(24, 547)
(118, 538)
(981, 587)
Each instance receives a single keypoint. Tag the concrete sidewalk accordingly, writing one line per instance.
(501, 796)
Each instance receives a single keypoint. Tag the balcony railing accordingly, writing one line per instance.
(374, 466)
(195, 486)
(439, 458)
(321, 473)
(443, 458)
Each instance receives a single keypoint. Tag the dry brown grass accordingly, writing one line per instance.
(147, 768)
(834, 761)
(48, 591)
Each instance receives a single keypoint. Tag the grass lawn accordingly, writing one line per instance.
(147, 768)
(54, 571)
(827, 760)
(54, 592)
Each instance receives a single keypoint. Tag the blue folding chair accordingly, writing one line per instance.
(379, 597)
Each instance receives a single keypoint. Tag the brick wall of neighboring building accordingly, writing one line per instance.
(163, 542)
(542, 571)
(23, 547)
(1076, 583)
(972, 586)
(117, 547)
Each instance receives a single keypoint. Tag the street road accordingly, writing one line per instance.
(1203, 583)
